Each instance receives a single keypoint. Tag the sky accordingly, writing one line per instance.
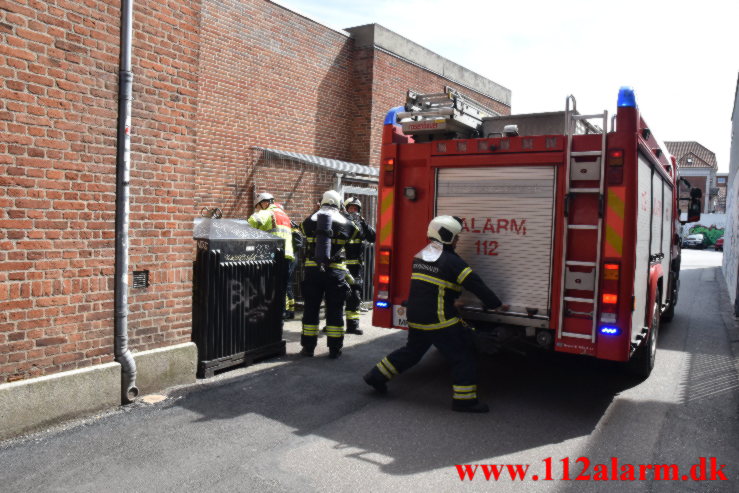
(681, 57)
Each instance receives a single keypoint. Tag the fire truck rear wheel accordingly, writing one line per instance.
(642, 362)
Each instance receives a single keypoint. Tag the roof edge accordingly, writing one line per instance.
(377, 36)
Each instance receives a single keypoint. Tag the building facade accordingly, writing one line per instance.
(213, 81)
(697, 165)
(731, 234)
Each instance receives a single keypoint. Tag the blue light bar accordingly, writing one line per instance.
(382, 304)
(611, 331)
(390, 118)
(626, 97)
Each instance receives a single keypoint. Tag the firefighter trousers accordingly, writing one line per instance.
(455, 343)
(332, 285)
(354, 298)
(290, 296)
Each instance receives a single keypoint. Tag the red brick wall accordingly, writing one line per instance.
(212, 79)
(268, 78)
(58, 108)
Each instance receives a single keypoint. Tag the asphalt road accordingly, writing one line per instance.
(298, 424)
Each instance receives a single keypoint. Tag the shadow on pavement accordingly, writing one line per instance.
(534, 400)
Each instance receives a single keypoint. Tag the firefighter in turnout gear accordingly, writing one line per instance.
(298, 242)
(327, 232)
(354, 250)
(437, 279)
(270, 217)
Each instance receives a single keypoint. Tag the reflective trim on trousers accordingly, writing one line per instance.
(310, 330)
(352, 315)
(332, 331)
(387, 368)
(464, 392)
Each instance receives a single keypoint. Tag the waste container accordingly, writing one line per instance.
(238, 294)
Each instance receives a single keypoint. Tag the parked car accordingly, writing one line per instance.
(695, 241)
(719, 245)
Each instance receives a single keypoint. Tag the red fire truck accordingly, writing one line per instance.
(571, 223)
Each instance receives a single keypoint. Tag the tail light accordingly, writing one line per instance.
(615, 162)
(388, 172)
(609, 296)
(383, 275)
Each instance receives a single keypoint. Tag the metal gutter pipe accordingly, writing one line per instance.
(129, 391)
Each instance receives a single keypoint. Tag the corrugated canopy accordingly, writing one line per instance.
(322, 162)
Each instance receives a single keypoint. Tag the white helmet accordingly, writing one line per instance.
(331, 197)
(264, 196)
(444, 229)
(352, 201)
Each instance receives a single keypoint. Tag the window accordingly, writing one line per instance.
(721, 180)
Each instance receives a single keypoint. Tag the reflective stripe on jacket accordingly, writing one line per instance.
(274, 220)
(435, 285)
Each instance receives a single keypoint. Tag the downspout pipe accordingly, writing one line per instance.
(129, 391)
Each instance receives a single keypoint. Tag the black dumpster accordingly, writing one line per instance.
(238, 294)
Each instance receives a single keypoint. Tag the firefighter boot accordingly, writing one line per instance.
(288, 315)
(307, 351)
(376, 381)
(352, 327)
(471, 406)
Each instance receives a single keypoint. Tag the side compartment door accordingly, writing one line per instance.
(507, 234)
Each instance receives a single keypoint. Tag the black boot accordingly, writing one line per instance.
(288, 315)
(334, 353)
(376, 381)
(307, 351)
(352, 327)
(470, 406)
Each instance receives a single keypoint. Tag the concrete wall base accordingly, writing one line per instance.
(34, 404)
(29, 405)
(165, 367)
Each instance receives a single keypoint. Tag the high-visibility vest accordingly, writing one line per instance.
(274, 220)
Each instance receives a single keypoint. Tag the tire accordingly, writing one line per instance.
(642, 363)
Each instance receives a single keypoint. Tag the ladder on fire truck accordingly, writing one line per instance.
(577, 172)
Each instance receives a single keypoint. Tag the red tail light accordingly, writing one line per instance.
(615, 162)
(609, 298)
(388, 172)
(383, 273)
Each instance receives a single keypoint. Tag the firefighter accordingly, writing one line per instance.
(354, 250)
(437, 279)
(298, 243)
(270, 217)
(326, 232)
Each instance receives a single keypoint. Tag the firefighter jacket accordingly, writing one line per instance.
(365, 232)
(437, 279)
(342, 230)
(274, 220)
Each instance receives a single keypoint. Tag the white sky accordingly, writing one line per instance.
(682, 57)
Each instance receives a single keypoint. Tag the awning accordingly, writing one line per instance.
(322, 162)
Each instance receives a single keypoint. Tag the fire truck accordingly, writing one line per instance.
(572, 219)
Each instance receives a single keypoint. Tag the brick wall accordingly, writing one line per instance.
(58, 108)
(212, 79)
(269, 78)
